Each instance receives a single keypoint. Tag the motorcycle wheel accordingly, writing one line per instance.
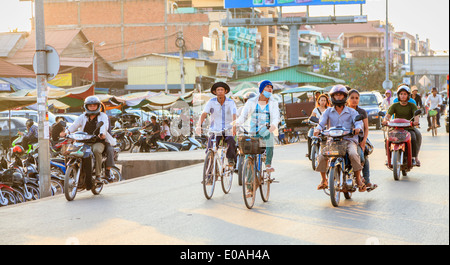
(128, 143)
(70, 189)
(334, 184)
(9, 198)
(397, 164)
(135, 148)
(97, 189)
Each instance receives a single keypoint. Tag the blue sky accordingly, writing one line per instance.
(429, 19)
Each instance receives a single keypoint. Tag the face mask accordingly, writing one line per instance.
(267, 94)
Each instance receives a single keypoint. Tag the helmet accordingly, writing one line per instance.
(92, 100)
(338, 89)
(18, 150)
(29, 123)
(404, 88)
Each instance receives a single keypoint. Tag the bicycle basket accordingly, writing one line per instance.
(432, 112)
(250, 145)
(334, 148)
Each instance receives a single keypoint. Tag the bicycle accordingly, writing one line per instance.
(217, 167)
(254, 170)
(433, 115)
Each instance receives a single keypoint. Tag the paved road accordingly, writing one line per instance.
(169, 208)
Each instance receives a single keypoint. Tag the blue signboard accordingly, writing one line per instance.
(272, 3)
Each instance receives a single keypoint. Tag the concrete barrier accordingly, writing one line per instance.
(143, 164)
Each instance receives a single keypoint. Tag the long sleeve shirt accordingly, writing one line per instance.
(331, 118)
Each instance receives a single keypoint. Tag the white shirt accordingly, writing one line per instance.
(250, 108)
(80, 122)
(221, 115)
(433, 101)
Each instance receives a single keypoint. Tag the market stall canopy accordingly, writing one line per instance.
(7, 102)
(302, 89)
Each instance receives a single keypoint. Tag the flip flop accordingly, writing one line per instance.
(372, 187)
(322, 186)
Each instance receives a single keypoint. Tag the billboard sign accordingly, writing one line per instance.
(272, 3)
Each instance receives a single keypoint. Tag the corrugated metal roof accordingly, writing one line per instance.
(293, 74)
(7, 43)
(10, 70)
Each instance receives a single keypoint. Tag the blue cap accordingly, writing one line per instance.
(263, 84)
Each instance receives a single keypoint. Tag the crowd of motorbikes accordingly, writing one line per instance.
(341, 178)
(19, 174)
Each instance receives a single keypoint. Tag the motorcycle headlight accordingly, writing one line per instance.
(335, 133)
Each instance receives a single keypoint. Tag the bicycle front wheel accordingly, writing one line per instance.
(209, 176)
(249, 182)
(227, 177)
(264, 181)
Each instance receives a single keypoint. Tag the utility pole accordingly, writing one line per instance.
(41, 83)
(180, 44)
(166, 88)
(387, 84)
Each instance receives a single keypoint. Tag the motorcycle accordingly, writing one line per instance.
(75, 152)
(315, 143)
(189, 144)
(18, 141)
(341, 177)
(143, 144)
(398, 146)
(123, 141)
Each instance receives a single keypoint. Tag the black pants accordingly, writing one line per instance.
(416, 141)
(231, 151)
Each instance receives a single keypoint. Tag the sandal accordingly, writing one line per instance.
(322, 186)
(362, 188)
(371, 187)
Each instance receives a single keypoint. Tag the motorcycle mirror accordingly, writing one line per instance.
(418, 112)
(359, 117)
(97, 127)
(314, 119)
(382, 113)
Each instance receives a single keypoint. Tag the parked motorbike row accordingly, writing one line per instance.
(19, 181)
(138, 140)
(340, 174)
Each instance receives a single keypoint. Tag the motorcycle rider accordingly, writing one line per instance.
(88, 122)
(341, 115)
(32, 135)
(259, 111)
(353, 102)
(322, 104)
(155, 134)
(404, 109)
(223, 114)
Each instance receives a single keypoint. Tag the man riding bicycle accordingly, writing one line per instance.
(434, 101)
(258, 112)
(223, 114)
(88, 123)
(341, 115)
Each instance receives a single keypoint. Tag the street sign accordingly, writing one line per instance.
(387, 84)
(52, 62)
(409, 73)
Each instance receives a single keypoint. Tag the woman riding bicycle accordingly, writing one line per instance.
(259, 112)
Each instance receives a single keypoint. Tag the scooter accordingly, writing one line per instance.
(189, 144)
(398, 146)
